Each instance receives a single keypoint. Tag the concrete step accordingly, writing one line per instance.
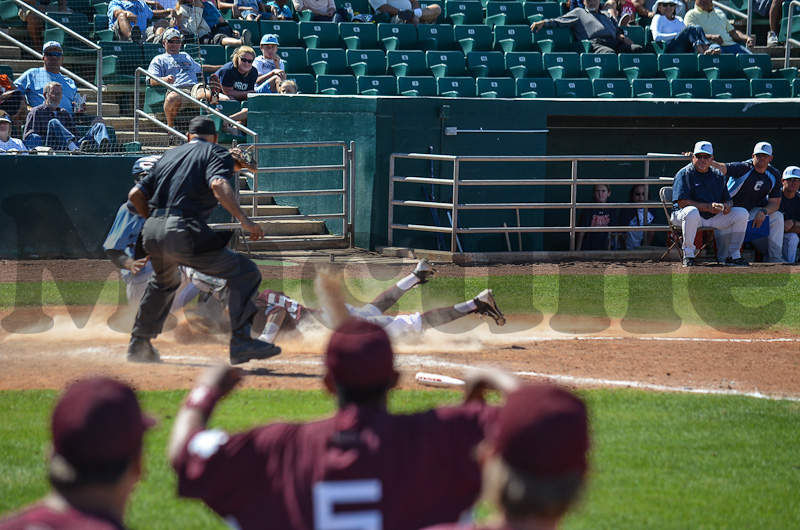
(269, 210)
(292, 228)
(109, 109)
(9, 52)
(149, 139)
(777, 62)
(311, 242)
(20, 65)
(245, 198)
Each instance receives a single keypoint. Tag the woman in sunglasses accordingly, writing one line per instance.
(238, 77)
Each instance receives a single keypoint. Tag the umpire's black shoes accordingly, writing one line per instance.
(738, 262)
(247, 349)
(141, 351)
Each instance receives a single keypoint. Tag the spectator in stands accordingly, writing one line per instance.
(775, 16)
(130, 20)
(238, 77)
(790, 207)
(35, 24)
(636, 217)
(718, 28)
(288, 86)
(407, 11)
(589, 24)
(219, 26)
(647, 8)
(680, 38)
(12, 102)
(248, 9)
(95, 461)
(6, 142)
(270, 66)
(596, 217)
(623, 11)
(321, 10)
(50, 125)
(31, 83)
(181, 70)
(280, 10)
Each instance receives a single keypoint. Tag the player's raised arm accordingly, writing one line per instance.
(482, 379)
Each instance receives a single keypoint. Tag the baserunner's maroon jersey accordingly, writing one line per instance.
(41, 517)
(362, 468)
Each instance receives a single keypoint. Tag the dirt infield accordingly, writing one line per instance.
(696, 358)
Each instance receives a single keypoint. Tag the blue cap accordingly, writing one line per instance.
(269, 38)
(51, 44)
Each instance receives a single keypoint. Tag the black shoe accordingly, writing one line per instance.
(141, 351)
(87, 146)
(738, 262)
(136, 34)
(487, 306)
(245, 349)
(105, 145)
(688, 262)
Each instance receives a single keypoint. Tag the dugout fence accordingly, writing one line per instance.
(455, 206)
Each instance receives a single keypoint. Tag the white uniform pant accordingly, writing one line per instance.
(771, 247)
(731, 226)
(395, 326)
(790, 242)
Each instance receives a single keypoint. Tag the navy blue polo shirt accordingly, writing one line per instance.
(750, 189)
(690, 184)
(790, 208)
(182, 177)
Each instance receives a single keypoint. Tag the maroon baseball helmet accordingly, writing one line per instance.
(360, 356)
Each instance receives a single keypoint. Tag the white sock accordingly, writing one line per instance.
(408, 282)
(466, 307)
(270, 331)
(72, 146)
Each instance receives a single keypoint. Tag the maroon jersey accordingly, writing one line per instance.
(361, 469)
(41, 517)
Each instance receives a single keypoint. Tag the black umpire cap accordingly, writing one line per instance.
(202, 125)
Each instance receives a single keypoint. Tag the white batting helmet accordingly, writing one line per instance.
(143, 166)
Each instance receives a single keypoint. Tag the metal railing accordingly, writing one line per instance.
(78, 36)
(137, 113)
(456, 206)
(346, 190)
(735, 12)
(789, 40)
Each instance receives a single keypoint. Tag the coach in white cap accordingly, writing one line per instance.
(755, 185)
(790, 208)
(701, 199)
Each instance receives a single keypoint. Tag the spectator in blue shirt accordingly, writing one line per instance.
(31, 83)
(130, 20)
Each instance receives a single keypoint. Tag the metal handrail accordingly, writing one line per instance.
(573, 205)
(789, 40)
(97, 87)
(138, 113)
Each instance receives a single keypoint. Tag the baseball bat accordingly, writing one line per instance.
(437, 380)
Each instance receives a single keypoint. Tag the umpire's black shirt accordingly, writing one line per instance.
(182, 178)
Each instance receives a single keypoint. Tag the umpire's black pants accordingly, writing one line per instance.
(169, 244)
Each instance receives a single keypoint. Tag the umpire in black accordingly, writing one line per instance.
(176, 198)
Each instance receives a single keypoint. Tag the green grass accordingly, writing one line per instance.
(747, 302)
(659, 460)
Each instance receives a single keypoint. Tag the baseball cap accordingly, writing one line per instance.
(703, 146)
(202, 125)
(143, 165)
(666, 2)
(269, 38)
(4, 116)
(170, 33)
(543, 431)
(51, 44)
(97, 423)
(791, 172)
(763, 148)
(360, 356)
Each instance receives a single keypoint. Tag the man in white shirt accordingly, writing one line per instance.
(6, 142)
(407, 11)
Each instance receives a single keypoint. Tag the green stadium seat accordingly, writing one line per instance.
(359, 36)
(286, 30)
(486, 64)
(513, 38)
(306, 84)
(120, 61)
(446, 64)
(416, 86)
(574, 88)
(678, 65)
(150, 50)
(327, 61)
(435, 37)
(397, 36)
(295, 59)
(101, 31)
(651, 88)
(542, 10)
(562, 65)
(359, 7)
(597, 65)
(553, 39)
(638, 34)
(252, 25)
(377, 85)
(457, 87)
(755, 66)
(464, 12)
(722, 66)
(611, 88)
(638, 65)
(474, 38)
(505, 14)
(77, 22)
(496, 87)
(785, 23)
(319, 34)
(213, 54)
(691, 88)
(524, 64)
(366, 62)
(541, 87)
(406, 63)
(336, 85)
(796, 88)
(730, 88)
(770, 88)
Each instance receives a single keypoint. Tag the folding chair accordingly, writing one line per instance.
(677, 232)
